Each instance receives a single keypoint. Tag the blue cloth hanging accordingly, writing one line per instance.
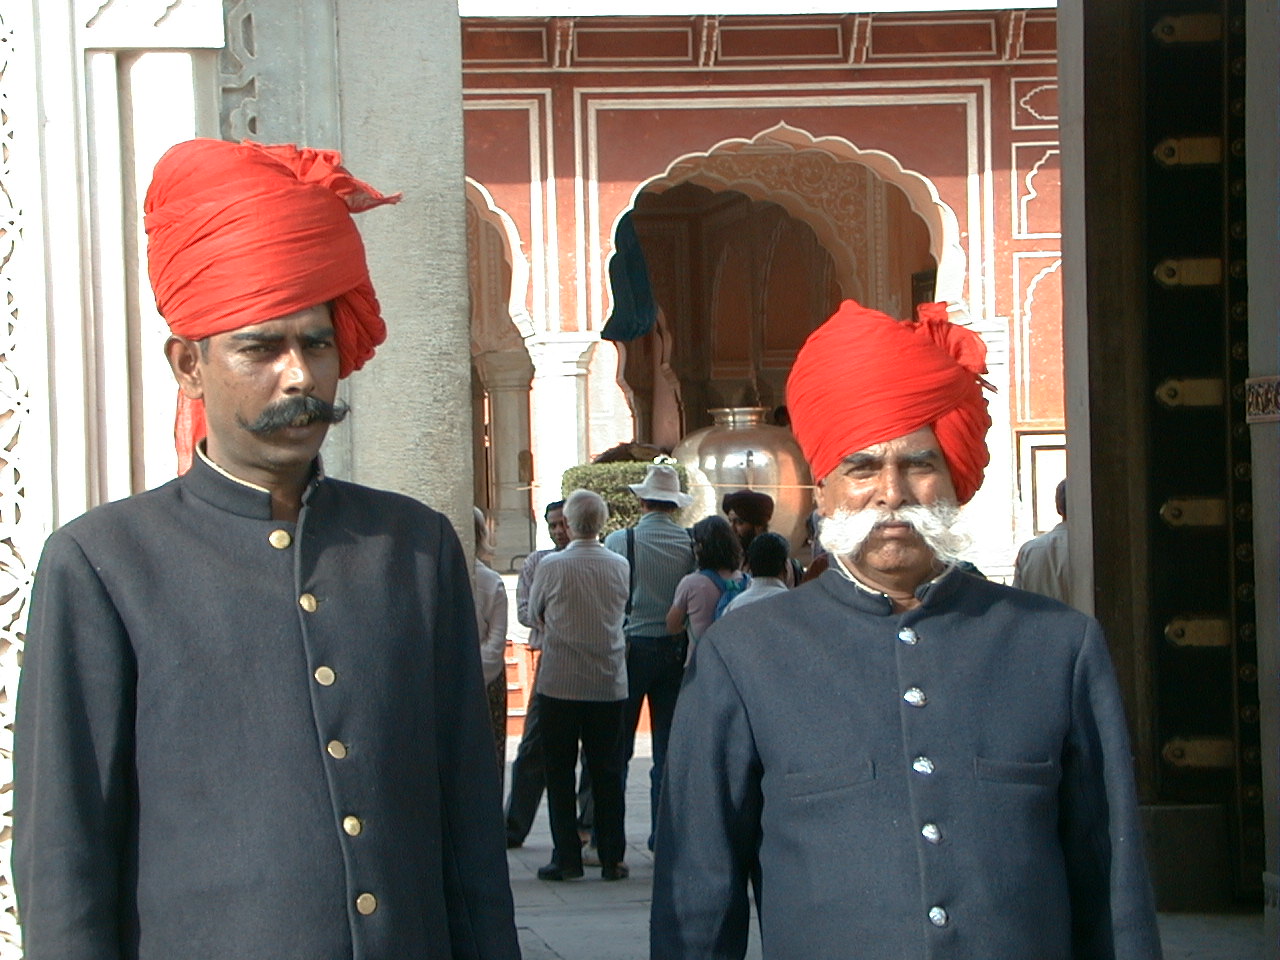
(634, 309)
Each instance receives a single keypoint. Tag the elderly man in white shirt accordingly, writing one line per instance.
(579, 597)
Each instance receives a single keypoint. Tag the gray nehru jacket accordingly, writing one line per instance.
(580, 594)
(950, 782)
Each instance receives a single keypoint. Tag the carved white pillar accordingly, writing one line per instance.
(560, 413)
(506, 376)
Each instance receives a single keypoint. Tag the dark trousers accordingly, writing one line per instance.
(596, 725)
(655, 668)
(529, 779)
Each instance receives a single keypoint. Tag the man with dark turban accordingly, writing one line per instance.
(749, 513)
(900, 759)
(251, 722)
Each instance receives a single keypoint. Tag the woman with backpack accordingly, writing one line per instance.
(702, 596)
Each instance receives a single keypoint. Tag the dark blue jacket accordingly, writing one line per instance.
(245, 739)
(950, 782)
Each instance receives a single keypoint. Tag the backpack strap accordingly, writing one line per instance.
(631, 565)
(797, 571)
(715, 578)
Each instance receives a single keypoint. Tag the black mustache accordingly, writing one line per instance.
(298, 411)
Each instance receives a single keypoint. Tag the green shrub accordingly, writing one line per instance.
(610, 481)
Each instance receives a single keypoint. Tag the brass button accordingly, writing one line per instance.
(352, 826)
(308, 603)
(325, 676)
(280, 539)
(366, 903)
(337, 749)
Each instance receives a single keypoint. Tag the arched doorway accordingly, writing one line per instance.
(501, 372)
(745, 257)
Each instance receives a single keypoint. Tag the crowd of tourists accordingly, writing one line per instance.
(614, 625)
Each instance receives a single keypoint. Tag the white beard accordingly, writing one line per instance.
(846, 531)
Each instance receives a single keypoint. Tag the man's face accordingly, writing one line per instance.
(558, 529)
(746, 531)
(245, 372)
(902, 472)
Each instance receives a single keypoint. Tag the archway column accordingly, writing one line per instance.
(506, 376)
(560, 412)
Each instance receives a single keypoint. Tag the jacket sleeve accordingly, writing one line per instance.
(1112, 906)
(476, 889)
(73, 762)
(708, 840)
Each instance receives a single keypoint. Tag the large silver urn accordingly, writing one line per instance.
(742, 452)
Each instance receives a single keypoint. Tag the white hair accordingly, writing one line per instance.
(585, 512)
(845, 531)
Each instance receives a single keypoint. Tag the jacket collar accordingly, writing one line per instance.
(215, 486)
(848, 590)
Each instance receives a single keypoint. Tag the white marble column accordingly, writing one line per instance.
(507, 375)
(560, 413)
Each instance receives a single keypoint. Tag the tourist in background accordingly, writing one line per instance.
(491, 623)
(749, 513)
(660, 553)
(578, 599)
(766, 560)
(718, 580)
(1044, 564)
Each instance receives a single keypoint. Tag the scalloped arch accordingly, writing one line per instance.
(783, 139)
(512, 251)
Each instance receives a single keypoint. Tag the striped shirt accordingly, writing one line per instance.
(523, 583)
(578, 596)
(664, 554)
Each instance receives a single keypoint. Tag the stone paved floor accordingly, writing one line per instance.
(594, 920)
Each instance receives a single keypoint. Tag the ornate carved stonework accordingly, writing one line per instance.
(839, 190)
(239, 79)
(16, 566)
(1262, 399)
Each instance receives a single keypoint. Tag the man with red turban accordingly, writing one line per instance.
(251, 722)
(901, 759)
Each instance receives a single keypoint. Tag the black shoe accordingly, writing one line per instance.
(615, 871)
(553, 871)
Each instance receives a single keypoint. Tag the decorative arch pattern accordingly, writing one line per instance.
(790, 167)
(499, 274)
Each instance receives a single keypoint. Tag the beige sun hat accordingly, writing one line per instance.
(661, 482)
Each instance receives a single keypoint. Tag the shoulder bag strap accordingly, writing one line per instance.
(631, 564)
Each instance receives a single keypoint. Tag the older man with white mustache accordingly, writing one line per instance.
(900, 760)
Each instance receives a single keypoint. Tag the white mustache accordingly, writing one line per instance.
(845, 531)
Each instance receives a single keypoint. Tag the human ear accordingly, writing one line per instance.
(184, 360)
(820, 496)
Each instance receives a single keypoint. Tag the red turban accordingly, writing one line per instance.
(863, 378)
(239, 234)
